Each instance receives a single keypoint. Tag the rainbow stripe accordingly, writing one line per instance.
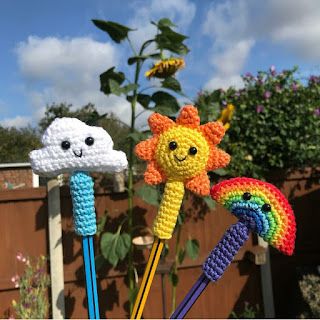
(277, 226)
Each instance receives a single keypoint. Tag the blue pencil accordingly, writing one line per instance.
(82, 193)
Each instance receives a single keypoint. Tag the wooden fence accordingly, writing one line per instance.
(24, 228)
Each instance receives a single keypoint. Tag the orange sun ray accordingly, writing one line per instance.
(189, 117)
(159, 123)
(153, 174)
(145, 149)
(183, 150)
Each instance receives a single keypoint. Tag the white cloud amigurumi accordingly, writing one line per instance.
(71, 145)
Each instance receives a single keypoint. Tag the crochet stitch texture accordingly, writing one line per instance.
(72, 146)
(180, 153)
(81, 188)
(261, 208)
(277, 226)
(223, 254)
(55, 158)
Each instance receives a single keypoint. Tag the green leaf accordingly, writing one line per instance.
(174, 279)
(114, 87)
(101, 223)
(108, 247)
(148, 194)
(99, 261)
(181, 255)
(144, 100)
(221, 172)
(181, 218)
(133, 294)
(138, 136)
(123, 245)
(170, 40)
(165, 22)
(116, 31)
(108, 75)
(192, 248)
(209, 202)
(129, 87)
(114, 246)
(117, 90)
(134, 59)
(165, 103)
(172, 84)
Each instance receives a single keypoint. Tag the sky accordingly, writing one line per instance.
(50, 52)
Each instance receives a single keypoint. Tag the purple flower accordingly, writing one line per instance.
(248, 75)
(237, 94)
(259, 108)
(316, 112)
(224, 102)
(278, 88)
(273, 70)
(314, 79)
(260, 81)
(267, 94)
(294, 87)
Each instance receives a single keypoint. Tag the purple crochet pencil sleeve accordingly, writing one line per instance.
(222, 255)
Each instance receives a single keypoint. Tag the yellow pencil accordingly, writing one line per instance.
(180, 154)
(147, 278)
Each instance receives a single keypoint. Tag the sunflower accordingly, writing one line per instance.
(180, 153)
(165, 68)
(226, 116)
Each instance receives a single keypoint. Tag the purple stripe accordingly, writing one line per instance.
(191, 297)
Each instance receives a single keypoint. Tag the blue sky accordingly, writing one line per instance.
(51, 52)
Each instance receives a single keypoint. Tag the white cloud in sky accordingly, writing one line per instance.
(67, 70)
(181, 12)
(18, 122)
(236, 26)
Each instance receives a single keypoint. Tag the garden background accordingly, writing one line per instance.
(271, 114)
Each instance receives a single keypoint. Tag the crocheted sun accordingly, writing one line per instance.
(183, 150)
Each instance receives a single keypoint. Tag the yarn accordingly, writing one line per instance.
(70, 144)
(274, 223)
(167, 216)
(82, 194)
(180, 153)
(224, 252)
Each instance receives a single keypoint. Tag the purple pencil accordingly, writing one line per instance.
(260, 208)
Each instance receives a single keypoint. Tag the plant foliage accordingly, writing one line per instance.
(276, 124)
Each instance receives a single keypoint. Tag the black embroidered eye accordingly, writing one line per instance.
(266, 207)
(89, 141)
(173, 145)
(65, 145)
(193, 150)
(246, 196)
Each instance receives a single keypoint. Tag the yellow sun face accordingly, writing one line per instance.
(182, 153)
(183, 150)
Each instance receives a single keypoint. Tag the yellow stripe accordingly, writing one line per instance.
(147, 278)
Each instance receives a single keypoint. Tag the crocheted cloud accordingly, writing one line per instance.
(71, 145)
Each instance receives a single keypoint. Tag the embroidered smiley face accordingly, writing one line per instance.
(182, 153)
(183, 150)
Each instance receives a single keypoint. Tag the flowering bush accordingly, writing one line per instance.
(275, 125)
(33, 284)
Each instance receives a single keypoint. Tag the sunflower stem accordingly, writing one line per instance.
(130, 186)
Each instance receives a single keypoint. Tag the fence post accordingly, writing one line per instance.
(266, 283)
(55, 249)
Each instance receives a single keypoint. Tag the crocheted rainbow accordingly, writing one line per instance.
(249, 198)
